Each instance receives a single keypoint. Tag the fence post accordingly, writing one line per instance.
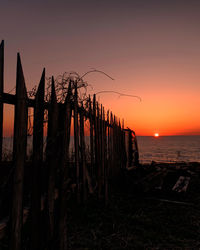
(51, 158)
(111, 146)
(65, 126)
(76, 143)
(1, 93)
(102, 147)
(83, 157)
(115, 146)
(37, 165)
(19, 154)
(105, 157)
(99, 170)
(107, 152)
(91, 139)
(95, 136)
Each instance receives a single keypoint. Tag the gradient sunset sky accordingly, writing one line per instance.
(151, 49)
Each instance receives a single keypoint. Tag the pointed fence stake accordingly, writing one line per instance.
(96, 136)
(1, 94)
(51, 158)
(83, 157)
(19, 154)
(99, 170)
(76, 143)
(65, 123)
(37, 165)
(91, 139)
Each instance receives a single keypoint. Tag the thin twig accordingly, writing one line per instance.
(118, 93)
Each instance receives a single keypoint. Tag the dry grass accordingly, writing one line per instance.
(132, 222)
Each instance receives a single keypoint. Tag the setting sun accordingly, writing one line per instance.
(156, 135)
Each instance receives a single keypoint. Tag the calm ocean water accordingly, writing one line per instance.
(169, 148)
(161, 149)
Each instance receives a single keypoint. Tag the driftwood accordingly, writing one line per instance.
(181, 184)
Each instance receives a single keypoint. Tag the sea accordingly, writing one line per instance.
(169, 148)
(160, 149)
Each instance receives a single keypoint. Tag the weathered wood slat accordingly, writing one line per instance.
(99, 168)
(76, 144)
(83, 157)
(102, 144)
(51, 157)
(11, 99)
(111, 145)
(107, 156)
(95, 135)
(65, 120)
(37, 165)
(91, 139)
(1, 93)
(19, 153)
(26, 211)
(102, 147)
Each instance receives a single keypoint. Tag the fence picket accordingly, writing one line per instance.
(95, 135)
(65, 120)
(37, 165)
(99, 155)
(91, 139)
(1, 94)
(76, 144)
(51, 157)
(19, 154)
(83, 157)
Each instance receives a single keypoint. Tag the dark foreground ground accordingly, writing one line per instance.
(141, 216)
(143, 213)
(134, 223)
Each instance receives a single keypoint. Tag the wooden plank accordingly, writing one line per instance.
(102, 146)
(37, 164)
(120, 144)
(91, 139)
(1, 94)
(11, 99)
(124, 148)
(51, 158)
(107, 158)
(115, 148)
(99, 153)
(182, 184)
(83, 157)
(111, 145)
(26, 211)
(66, 124)
(76, 144)
(95, 135)
(19, 154)
(108, 139)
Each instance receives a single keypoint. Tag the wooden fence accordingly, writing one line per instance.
(52, 172)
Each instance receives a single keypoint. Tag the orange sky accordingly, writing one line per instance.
(151, 49)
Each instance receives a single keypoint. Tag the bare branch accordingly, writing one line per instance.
(118, 93)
